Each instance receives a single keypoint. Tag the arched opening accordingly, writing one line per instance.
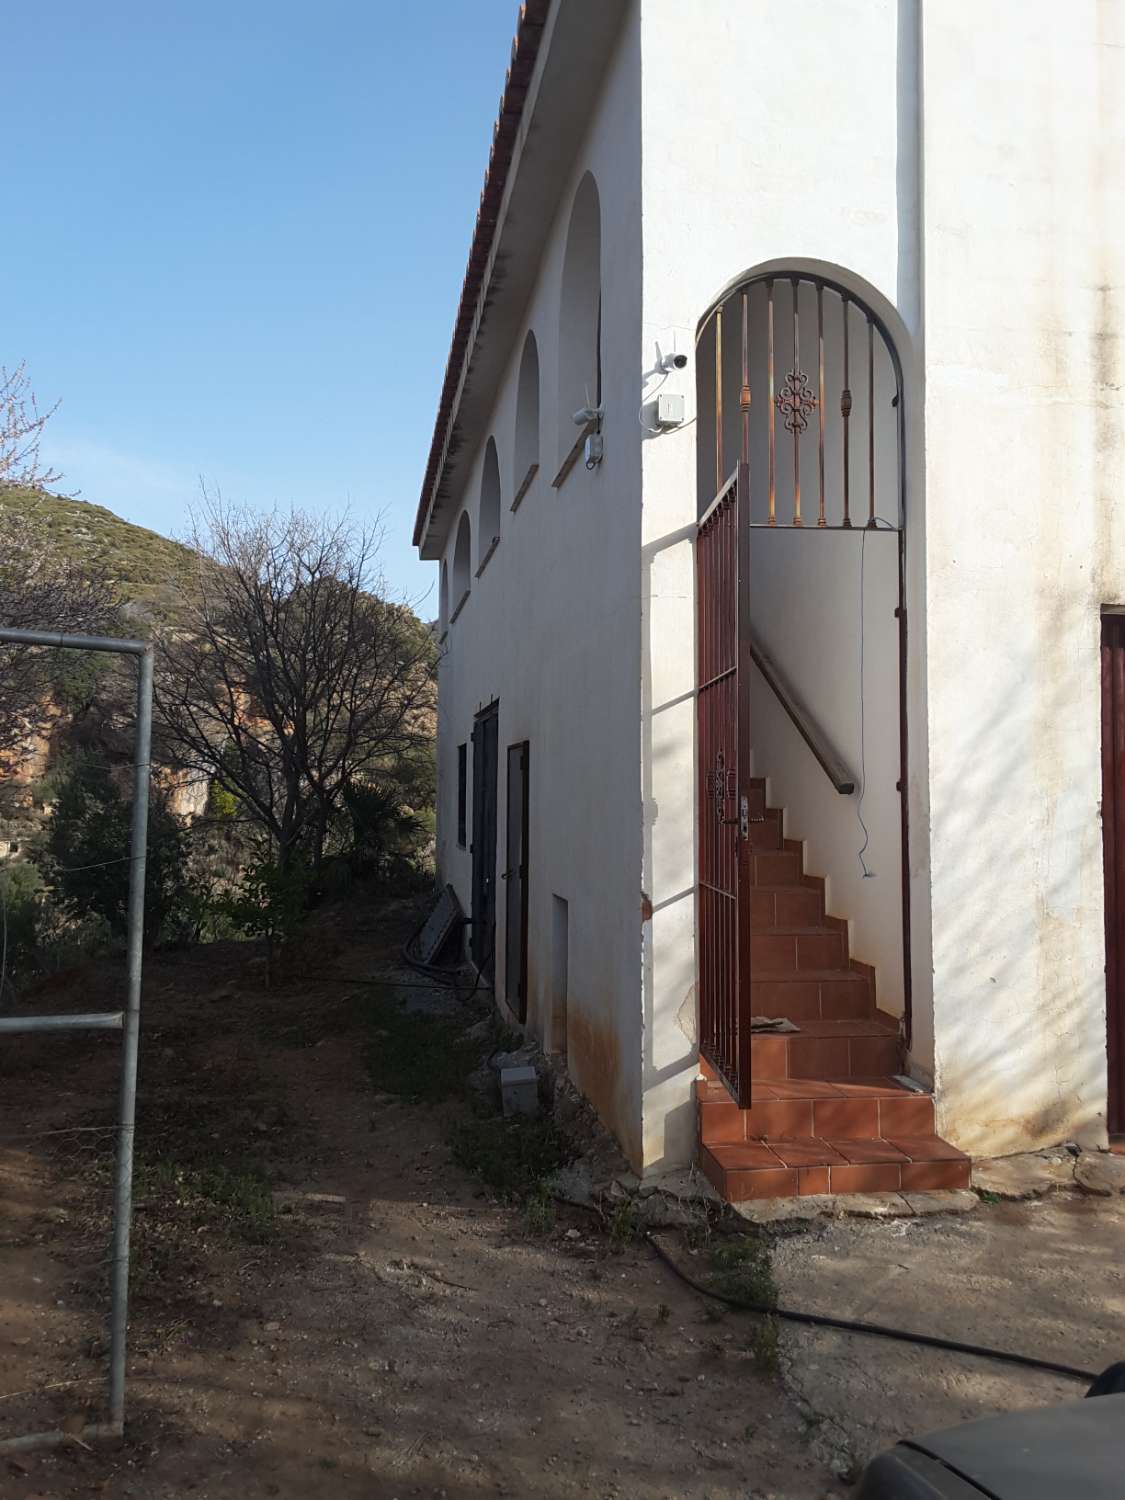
(489, 525)
(461, 565)
(798, 377)
(526, 464)
(580, 311)
(801, 460)
(443, 598)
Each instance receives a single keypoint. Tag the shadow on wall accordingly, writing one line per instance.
(1020, 1008)
(668, 795)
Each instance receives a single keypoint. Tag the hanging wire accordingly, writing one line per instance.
(879, 522)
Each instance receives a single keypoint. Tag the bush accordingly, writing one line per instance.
(21, 899)
(85, 851)
(270, 903)
(390, 820)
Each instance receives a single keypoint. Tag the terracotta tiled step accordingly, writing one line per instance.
(786, 906)
(776, 867)
(811, 995)
(845, 1109)
(849, 1048)
(781, 1168)
(765, 830)
(783, 949)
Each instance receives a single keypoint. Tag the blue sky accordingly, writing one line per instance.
(235, 242)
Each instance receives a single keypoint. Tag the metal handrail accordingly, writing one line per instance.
(827, 757)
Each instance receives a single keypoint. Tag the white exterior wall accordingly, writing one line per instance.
(760, 145)
(1025, 260)
(552, 630)
(754, 138)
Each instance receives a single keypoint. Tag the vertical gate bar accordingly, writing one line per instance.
(820, 520)
(796, 425)
(904, 723)
(742, 709)
(870, 422)
(744, 395)
(773, 438)
(704, 864)
(701, 788)
(730, 750)
(1109, 857)
(845, 415)
(123, 1174)
(722, 1001)
(718, 398)
(1117, 1021)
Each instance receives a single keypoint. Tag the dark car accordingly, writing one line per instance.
(1071, 1452)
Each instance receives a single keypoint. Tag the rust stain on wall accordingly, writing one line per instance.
(594, 1062)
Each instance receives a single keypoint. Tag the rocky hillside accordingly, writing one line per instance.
(149, 570)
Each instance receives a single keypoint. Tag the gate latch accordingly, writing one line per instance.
(744, 816)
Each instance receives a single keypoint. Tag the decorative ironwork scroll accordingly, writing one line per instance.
(795, 401)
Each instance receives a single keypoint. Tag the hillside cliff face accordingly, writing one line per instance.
(92, 710)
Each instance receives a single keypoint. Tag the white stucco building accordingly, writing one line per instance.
(701, 764)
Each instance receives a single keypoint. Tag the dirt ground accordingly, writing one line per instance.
(324, 1304)
(1045, 1277)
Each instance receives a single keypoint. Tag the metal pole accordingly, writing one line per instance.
(97, 1021)
(123, 1172)
(123, 1178)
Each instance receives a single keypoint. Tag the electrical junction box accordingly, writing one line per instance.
(669, 411)
(519, 1091)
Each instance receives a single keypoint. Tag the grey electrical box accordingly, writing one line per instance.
(669, 411)
(519, 1091)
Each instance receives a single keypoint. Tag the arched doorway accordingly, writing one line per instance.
(801, 658)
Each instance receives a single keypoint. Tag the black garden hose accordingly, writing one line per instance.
(877, 1330)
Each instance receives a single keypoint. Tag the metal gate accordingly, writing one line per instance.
(723, 706)
(1113, 835)
(841, 424)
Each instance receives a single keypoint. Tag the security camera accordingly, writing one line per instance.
(670, 362)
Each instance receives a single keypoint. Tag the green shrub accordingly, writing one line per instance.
(513, 1156)
(21, 901)
(269, 903)
(85, 852)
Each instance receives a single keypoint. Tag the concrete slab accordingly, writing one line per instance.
(1044, 1276)
(1030, 1176)
(1102, 1175)
(856, 1205)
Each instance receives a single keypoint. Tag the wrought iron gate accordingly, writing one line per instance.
(839, 423)
(723, 708)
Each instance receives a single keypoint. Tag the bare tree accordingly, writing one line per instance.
(288, 675)
(21, 428)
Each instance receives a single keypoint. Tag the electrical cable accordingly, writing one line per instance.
(875, 1330)
(878, 521)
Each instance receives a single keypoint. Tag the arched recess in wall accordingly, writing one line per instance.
(488, 533)
(526, 458)
(462, 552)
(443, 597)
(580, 313)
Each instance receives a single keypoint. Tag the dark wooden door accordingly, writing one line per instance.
(485, 744)
(1113, 836)
(515, 877)
(723, 749)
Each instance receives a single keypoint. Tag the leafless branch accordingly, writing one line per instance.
(289, 674)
